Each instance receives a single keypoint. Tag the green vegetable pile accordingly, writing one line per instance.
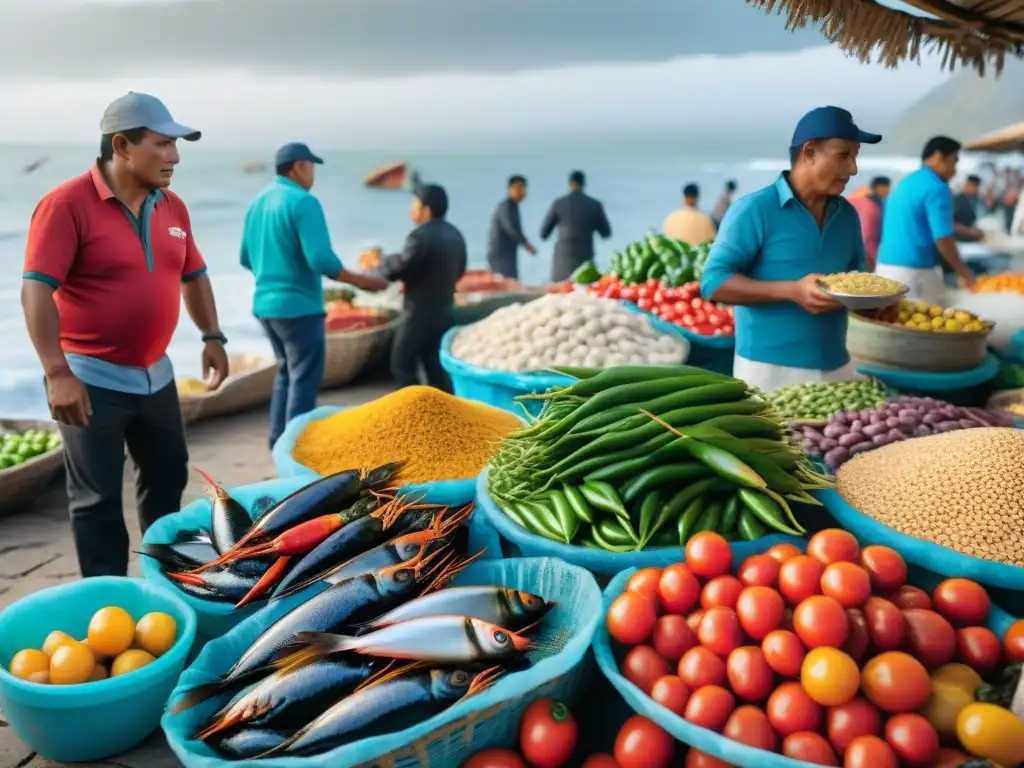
(17, 448)
(821, 399)
(657, 257)
(637, 456)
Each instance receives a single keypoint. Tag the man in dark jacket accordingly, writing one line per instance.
(430, 265)
(507, 231)
(577, 217)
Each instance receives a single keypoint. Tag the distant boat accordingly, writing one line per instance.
(255, 166)
(391, 176)
(35, 164)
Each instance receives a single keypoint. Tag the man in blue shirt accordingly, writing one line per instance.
(918, 228)
(774, 244)
(286, 246)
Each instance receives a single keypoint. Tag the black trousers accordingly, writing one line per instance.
(418, 342)
(505, 264)
(151, 428)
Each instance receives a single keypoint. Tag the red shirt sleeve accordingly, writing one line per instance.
(52, 241)
(194, 265)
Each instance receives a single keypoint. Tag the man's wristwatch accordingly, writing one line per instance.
(218, 336)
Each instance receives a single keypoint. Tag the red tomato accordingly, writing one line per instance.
(1013, 642)
(642, 744)
(930, 637)
(759, 571)
(833, 545)
(846, 722)
(820, 621)
(799, 578)
(547, 734)
(790, 710)
(912, 738)
(886, 625)
(809, 747)
(885, 566)
(708, 555)
(950, 758)
(697, 302)
(673, 637)
(671, 692)
(720, 631)
(847, 583)
(643, 666)
(783, 552)
(896, 682)
(659, 296)
(784, 652)
(760, 611)
(631, 618)
(858, 641)
(630, 293)
(645, 304)
(686, 319)
(870, 752)
(679, 589)
(748, 673)
(600, 760)
(495, 758)
(645, 581)
(681, 308)
(697, 759)
(701, 666)
(909, 596)
(709, 707)
(749, 725)
(962, 601)
(721, 590)
(979, 648)
(694, 619)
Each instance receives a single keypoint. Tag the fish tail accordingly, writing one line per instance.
(307, 647)
(201, 693)
(237, 551)
(390, 672)
(267, 580)
(233, 717)
(484, 680)
(165, 554)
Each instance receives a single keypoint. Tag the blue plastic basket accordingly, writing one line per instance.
(89, 722)
(703, 739)
(486, 720)
(712, 352)
(932, 381)
(526, 544)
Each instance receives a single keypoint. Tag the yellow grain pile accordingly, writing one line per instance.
(438, 436)
(963, 490)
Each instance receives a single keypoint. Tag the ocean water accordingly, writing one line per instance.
(638, 186)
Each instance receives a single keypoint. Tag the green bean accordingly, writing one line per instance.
(594, 463)
(766, 510)
(604, 497)
(688, 520)
(775, 478)
(730, 514)
(724, 464)
(607, 545)
(512, 514)
(677, 504)
(744, 426)
(649, 509)
(625, 375)
(616, 532)
(579, 504)
(568, 523)
(709, 518)
(657, 477)
(749, 527)
(537, 519)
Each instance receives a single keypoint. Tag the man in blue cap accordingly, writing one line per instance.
(287, 247)
(774, 244)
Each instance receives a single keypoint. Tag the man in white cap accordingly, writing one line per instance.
(110, 256)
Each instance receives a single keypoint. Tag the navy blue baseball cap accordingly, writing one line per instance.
(140, 110)
(294, 152)
(830, 123)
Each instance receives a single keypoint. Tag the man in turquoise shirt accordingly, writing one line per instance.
(286, 246)
(773, 246)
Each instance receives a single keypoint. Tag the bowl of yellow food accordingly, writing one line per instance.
(863, 290)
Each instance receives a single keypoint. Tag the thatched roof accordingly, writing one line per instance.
(1008, 139)
(976, 33)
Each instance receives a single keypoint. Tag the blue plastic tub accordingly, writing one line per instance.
(92, 721)
(712, 352)
(932, 381)
(489, 719)
(521, 543)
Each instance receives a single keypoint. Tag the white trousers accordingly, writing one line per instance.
(767, 377)
(926, 284)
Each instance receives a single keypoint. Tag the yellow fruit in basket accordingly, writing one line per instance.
(55, 640)
(952, 325)
(99, 672)
(963, 317)
(71, 664)
(919, 317)
(111, 631)
(40, 677)
(974, 326)
(949, 313)
(925, 325)
(935, 311)
(937, 323)
(29, 662)
(156, 633)
(129, 661)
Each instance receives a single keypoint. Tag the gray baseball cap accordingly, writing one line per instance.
(140, 110)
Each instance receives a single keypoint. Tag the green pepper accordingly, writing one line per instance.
(688, 520)
(585, 273)
(603, 496)
(656, 271)
(578, 503)
(616, 264)
(649, 509)
(568, 523)
(644, 261)
(615, 532)
(539, 519)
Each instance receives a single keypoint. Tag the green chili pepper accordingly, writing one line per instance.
(688, 520)
(538, 519)
(603, 496)
(766, 510)
(578, 502)
(616, 532)
(668, 474)
(750, 528)
(568, 523)
(731, 514)
(675, 506)
(609, 546)
(649, 510)
(709, 518)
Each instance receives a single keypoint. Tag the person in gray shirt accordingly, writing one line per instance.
(577, 217)
(506, 234)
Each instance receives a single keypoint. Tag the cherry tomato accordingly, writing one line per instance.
(645, 304)
(748, 673)
(673, 637)
(760, 611)
(870, 752)
(833, 545)
(708, 555)
(909, 596)
(697, 759)
(978, 648)
(783, 552)
(846, 722)
(858, 640)
(1013, 642)
(749, 725)
(671, 692)
(721, 590)
(631, 618)
(800, 578)
(846, 583)
(784, 652)
(896, 682)
(930, 637)
(912, 738)
(630, 293)
(759, 571)
(720, 631)
(642, 744)
(962, 602)
(701, 666)
(809, 747)
(790, 710)
(821, 621)
(886, 625)
(547, 734)
(709, 707)
(642, 666)
(694, 619)
(645, 581)
(829, 676)
(885, 566)
(950, 758)
(679, 589)
(495, 758)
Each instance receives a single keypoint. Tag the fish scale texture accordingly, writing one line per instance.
(558, 668)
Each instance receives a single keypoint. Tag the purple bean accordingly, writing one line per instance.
(892, 421)
(987, 418)
(922, 430)
(880, 440)
(828, 444)
(969, 423)
(908, 416)
(836, 457)
(838, 418)
(895, 434)
(877, 428)
(947, 426)
(851, 438)
(809, 446)
(857, 426)
(812, 433)
(834, 430)
(933, 418)
(867, 445)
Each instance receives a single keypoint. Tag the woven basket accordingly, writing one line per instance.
(252, 385)
(911, 348)
(349, 353)
(20, 484)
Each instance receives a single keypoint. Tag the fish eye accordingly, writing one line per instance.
(459, 677)
(403, 575)
(500, 637)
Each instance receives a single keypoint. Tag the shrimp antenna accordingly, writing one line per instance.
(215, 488)
(446, 571)
(484, 680)
(387, 674)
(455, 520)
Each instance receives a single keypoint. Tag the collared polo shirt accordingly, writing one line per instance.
(769, 235)
(287, 247)
(918, 212)
(117, 279)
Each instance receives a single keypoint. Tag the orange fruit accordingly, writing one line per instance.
(99, 672)
(54, 640)
(29, 662)
(129, 661)
(71, 664)
(111, 631)
(156, 633)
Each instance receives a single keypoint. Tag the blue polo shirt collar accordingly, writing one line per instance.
(284, 181)
(786, 194)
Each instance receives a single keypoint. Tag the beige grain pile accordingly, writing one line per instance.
(963, 490)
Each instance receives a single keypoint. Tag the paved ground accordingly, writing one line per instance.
(36, 551)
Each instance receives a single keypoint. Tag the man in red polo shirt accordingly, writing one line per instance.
(110, 256)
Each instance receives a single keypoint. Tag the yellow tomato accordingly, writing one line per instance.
(960, 675)
(945, 704)
(55, 640)
(129, 661)
(991, 732)
(829, 676)
(156, 633)
(72, 663)
(99, 672)
(111, 631)
(29, 662)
